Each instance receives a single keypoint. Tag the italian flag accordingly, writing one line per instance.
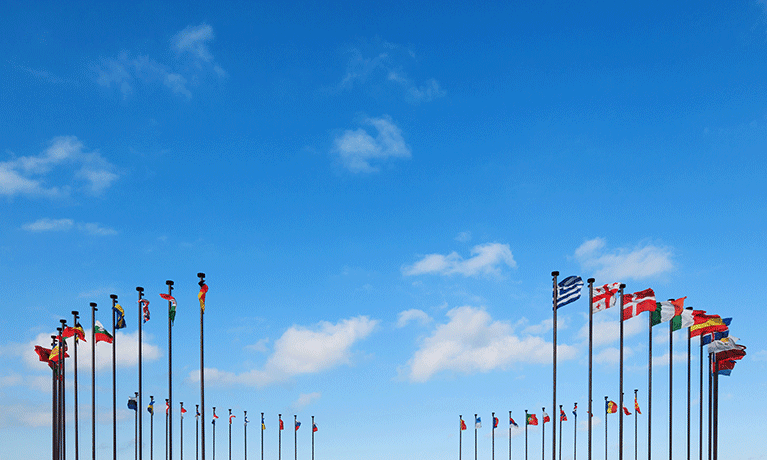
(101, 334)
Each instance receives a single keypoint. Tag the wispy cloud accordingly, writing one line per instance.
(358, 149)
(622, 264)
(299, 351)
(387, 65)
(29, 175)
(471, 341)
(486, 259)
(57, 225)
(414, 315)
(463, 237)
(305, 399)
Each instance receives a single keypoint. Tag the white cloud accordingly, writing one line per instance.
(607, 327)
(38, 415)
(357, 149)
(463, 237)
(193, 39)
(305, 399)
(96, 229)
(623, 264)
(486, 260)
(301, 350)
(28, 174)
(472, 342)
(760, 355)
(57, 225)
(611, 355)
(406, 317)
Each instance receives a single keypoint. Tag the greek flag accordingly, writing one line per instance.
(569, 290)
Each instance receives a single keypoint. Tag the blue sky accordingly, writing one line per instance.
(378, 194)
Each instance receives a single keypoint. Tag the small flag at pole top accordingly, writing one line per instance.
(246, 420)
(76, 331)
(546, 418)
(513, 423)
(172, 311)
(298, 425)
(150, 407)
(636, 406)
(201, 296)
(604, 297)
(314, 427)
(611, 407)
(132, 404)
(197, 414)
(532, 419)
(230, 418)
(569, 290)
(215, 417)
(167, 407)
(636, 303)
(478, 422)
(263, 425)
(495, 422)
(575, 410)
(183, 411)
(282, 426)
(119, 316)
(101, 334)
(463, 424)
(562, 415)
(145, 305)
(626, 411)
(43, 354)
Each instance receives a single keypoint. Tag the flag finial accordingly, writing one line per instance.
(113, 296)
(555, 273)
(591, 280)
(139, 289)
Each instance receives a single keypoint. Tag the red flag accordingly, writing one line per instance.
(636, 406)
(78, 331)
(282, 426)
(626, 411)
(562, 416)
(314, 427)
(145, 304)
(201, 296)
(43, 353)
(636, 303)
(463, 425)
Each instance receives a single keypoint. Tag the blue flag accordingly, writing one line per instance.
(150, 407)
(119, 316)
(132, 404)
(569, 290)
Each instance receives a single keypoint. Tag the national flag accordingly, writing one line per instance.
(76, 331)
(201, 296)
(132, 404)
(723, 367)
(478, 422)
(56, 353)
(709, 323)
(726, 343)
(231, 416)
(626, 411)
(569, 290)
(282, 426)
(666, 310)
(246, 420)
(314, 428)
(119, 316)
(183, 411)
(546, 417)
(215, 417)
(298, 425)
(562, 416)
(575, 410)
(263, 425)
(636, 406)
(463, 425)
(101, 334)
(513, 423)
(733, 354)
(636, 303)
(709, 337)
(604, 296)
(532, 419)
(197, 414)
(150, 407)
(145, 304)
(43, 354)
(683, 320)
(611, 407)
(495, 422)
(172, 310)
(167, 407)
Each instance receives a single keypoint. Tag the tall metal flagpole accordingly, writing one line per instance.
(230, 434)
(167, 409)
(54, 415)
(700, 417)
(636, 424)
(606, 428)
(201, 283)
(560, 431)
(689, 358)
(526, 434)
(460, 435)
(62, 399)
(114, 377)
(140, 441)
(620, 408)
(475, 436)
(543, 433)
(170, 372)
(181, 435)
(93, 377)
(313, 430)
(213, 421)
(670, 384)
(76, 316)
(279, 438)
(649, 388)
(135, 421)
(716, 409)
(575, 430)
(245, 432)
(263, 426)
(295, 437)
(151, 428)
(196, 432)
(493, 438)
(591, 341)
(554, 275)
(710, 402)
(509, 435)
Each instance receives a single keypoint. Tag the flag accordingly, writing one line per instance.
(246, 420)
(636, 406)
(101, 334)
(172, 311)
(132, 404)
(513, 423)
(43, 354)
(478, 423)
(282, 426)
(575, 410)
(145, 304)
(463, 425)
(197, 414)
(263, 425)
(532, 419)
(604, 297)
(666, 310)
(183, 411)
(726, 343)
(230, 418)
(495, 422)
(150, 407)
(167, 407)
(215, 417)
(298, 425)
(709, 337)
(611, 407)
(636, 303)
(709, 323)
(562, 416)
(201, 296)
(683, 319)
(119, 316)
(626, 411)
(56, 354)
(569, 290)
(76, 331)
(723, 367)
(314, 428)
(546, 417)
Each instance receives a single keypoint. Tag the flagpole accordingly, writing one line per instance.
(620, 408)
(93, 377)
(62, 399)
(700, 405)
(312, 438)
(114, 377)
(167, 409)
(76, 316)
(606, 428)
(670, 384)
(230, 434)
(575, 432)
(170, 372)
(509, 435)
(196, 432)
(560, 431)
(554, 275)
(460, 435)
(181, 434)
(543, 433)
(649, 388)
(492, 435)
(135, 421)
(475, 436)
(279, 437)
(689, 358)
(54, 401)
(526, 434)
(295, 437)
(636, 425)
(151, 430)
(140, 291)
(201, 283)
(262, 436)
(716, 409)
(213, 421)
(591, 341)
(245, 430)
(710, 402)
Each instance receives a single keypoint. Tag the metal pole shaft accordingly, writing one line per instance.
(169, 283)
(525, 434)
(591, 341)
(140, 441)
(689, 358)
(621, 402)
(492, 435)
(312, 438)
(700, 405)
(202, 374)
(636, 428)
(63, 412)
(460, 435)
(279, 438)
(475, 436)
(649, 389)
(262, 436)
(710, 403)
(77, 410)
(670, 386)
(54, 407)
(295, 437)
(605, 427)
(245, 432)
(93, 377)
(114, 377)
(554, 275)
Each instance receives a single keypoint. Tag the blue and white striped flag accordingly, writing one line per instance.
(569, 290)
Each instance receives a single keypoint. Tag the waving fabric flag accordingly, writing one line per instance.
(230, 418)
(145, 305)
(463, 425)
(197, 414)
(215, 417)
(666, 310)
(562, 416)
(119, 316)
(282, 426)
(546, 417)
(575, 410)
(167, 407)
(513, 423)
(201, 296)
(532, 419)
(150, 407)
(709, 337)
(611, 407)
(76, 331)
(101, 334)
(183, 411)
(636, 406)
(43, 354)
(495, 422)
(636, 303)
(626, 411)
(298, 425)
(604, 296)
(709, 323)
(314, 428)
(172, 311)
(246, 420)
(683, 320)
(569, 290)
(478, 422)
(263, 425)
(132, 404)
